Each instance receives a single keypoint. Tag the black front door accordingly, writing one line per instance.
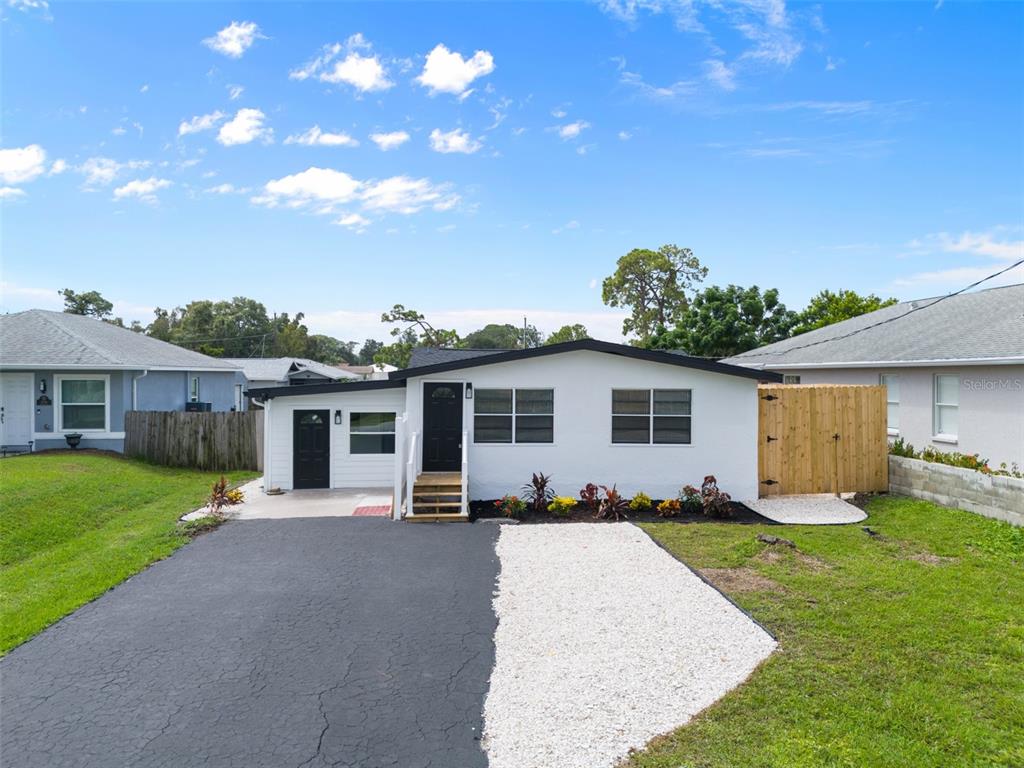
(311, 441)
(442, 427)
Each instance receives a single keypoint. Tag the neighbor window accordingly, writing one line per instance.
(193, 390)
(947, 404)
(372, 433)
(238, 397)
(83, 404)
(513, 416)
(791, 378)
(645, 416)
(891, 382)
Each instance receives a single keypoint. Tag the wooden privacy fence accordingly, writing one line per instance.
(212, 441)
(821, 438)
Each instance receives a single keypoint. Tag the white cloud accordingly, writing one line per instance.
(246, 126)
(11, 193)
(980, 244)
(387, 141)
(235, 39)
(353, 221)
(314, 185)
(625, 135)
(58, 167)
(593, 283)
(454, 141)
(995, 248)
(143, 189)
(200, 123)
(444, 230)
(719, 73)
(23, 164)
(103, 170)
(568, 226)
(364, 73)
(315, 137)
(677, 90)
(144, 88)
(558, 113)
(41, 8)
(119, 131)
(235, 92)
(226, 189)
(402, 194)
(572, 130)
(447, 72)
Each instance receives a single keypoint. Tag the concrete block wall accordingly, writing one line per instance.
(992, 496)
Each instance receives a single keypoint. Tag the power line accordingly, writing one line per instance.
(887, 320)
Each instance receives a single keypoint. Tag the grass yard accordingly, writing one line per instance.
(74, 525)
(902, 650)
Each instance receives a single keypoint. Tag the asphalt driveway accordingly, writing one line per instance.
(315, 642)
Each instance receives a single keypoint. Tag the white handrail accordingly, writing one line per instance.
(464, 507)
(410, 472)
(399, 490)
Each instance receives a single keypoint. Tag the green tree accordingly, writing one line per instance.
(653, 285)
(503, 336)
(827, 308)
(329, 350)
(720, 322)
(236, 328)
(86, 303)
(575, 332)
(412, 330)
(291, 337)
(366, 352)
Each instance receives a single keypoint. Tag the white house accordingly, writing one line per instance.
(475, 424)
(954, 368)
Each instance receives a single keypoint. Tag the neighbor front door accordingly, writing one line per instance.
(311, 449)
(16, 408)
(442, 427)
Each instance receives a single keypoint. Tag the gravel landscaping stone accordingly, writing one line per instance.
(604, 641)
(811, 509)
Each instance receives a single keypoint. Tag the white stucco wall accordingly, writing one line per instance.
(991, 412)
(347, 470)
(723, 428)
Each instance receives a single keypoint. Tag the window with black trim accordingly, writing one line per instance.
(651, 416)
(371, 432)
(513, 416)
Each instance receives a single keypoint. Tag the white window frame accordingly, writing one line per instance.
(944, 437)
(393, 433)
(193, 389)
(239, 398)
(650, 416)
(891, 430)
(515, 416)
(58, 383)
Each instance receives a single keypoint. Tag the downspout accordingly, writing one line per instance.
(135, 389)
(267, 442)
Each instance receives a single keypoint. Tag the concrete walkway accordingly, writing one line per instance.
(809, 509)
(336, 502)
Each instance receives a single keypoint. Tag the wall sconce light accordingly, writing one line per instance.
(469, 391)
(337, 417)
(42, 386)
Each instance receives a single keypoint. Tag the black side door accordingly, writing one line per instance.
(311, 441)
(442, 427)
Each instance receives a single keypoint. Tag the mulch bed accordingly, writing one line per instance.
(741, 515)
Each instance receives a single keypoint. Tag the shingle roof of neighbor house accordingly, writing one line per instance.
(278, 368)
(981, 326)
(39, 338)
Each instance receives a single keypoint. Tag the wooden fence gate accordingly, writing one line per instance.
(821, 438)
(211, 441)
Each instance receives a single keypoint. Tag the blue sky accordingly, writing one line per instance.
(485, 161)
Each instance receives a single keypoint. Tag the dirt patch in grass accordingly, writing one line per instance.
(930, 558)
(773, 555)
(740, 580)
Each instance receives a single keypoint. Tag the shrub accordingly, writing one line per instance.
(899, 447)
(511, 506)
(669, 508)
(716, 503)
(690, 500)
(590, 495)
(562, 505)
(218, 497)
(641, 502)
(613, 506)
(235, 496)
(538, 492)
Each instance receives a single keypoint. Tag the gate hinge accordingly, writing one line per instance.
(835, 436)
(770, 397)
(769, 482)
(770, 438)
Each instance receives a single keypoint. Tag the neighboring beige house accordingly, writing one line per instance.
(954, 368)
(374, 372)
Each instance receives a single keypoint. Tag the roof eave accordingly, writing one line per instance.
(295, 390)
(930, 363)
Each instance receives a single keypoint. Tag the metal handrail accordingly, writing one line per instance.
(463, 508)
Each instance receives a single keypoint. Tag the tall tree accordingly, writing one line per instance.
(291, 337)
(329, 350)
(236, 328)
(726, 321)
(503, 336)
(654, 286)
(86, 303)
(412, 330)
(367, 352)
(827, 308)
(575, 332)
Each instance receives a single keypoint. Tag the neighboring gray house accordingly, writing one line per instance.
(63, 373)
(954, 368)
(285, 371)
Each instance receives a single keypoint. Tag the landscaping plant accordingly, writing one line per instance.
(690, 500)
(613, 506)
(562, 506)
(716, 503)
(590, 495)
(538, 492)
(669, 508)
(640, 503)
(900, 447)
(511, 506)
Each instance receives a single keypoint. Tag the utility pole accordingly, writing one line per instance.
(524, 332)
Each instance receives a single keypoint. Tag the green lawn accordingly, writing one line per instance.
(904, 650)
(73, 526)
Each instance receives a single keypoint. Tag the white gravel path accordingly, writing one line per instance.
(604, 641)
(809, 509)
